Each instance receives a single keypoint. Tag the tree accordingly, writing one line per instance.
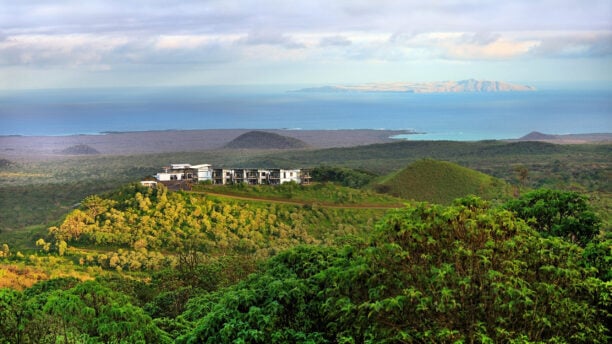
(469, 272)
(5, 251)
(522, 174)
(11, 313)
(564, 214)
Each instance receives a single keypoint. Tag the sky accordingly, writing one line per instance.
(112, 43)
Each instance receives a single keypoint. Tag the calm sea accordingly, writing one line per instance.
(452, 116)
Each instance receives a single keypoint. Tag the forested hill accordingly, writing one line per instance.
(183, 268)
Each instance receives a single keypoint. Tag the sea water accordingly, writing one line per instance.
(441, 116)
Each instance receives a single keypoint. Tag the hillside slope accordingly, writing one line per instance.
(440, 182)
(265, 140)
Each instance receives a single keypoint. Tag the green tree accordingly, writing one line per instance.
(464, 273)
(12, 315)
(564, 214)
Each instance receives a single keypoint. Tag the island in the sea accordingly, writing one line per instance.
(470, 85)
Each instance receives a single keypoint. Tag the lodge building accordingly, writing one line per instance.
(222, 176)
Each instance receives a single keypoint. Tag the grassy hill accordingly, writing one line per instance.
(440, 182)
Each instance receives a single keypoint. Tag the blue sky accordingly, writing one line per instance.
(95, 43)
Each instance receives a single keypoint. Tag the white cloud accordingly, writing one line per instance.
(336, 40)
(574, 44)
(107, 35)
(270, 38)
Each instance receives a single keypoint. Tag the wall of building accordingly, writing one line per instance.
(205, 172)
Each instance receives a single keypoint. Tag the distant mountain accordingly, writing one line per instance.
(567, 138)
(470, 85)
(265, 140)
(440, 182)
(80, 150)
(537, 136)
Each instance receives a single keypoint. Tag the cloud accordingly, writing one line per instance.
(594, 44)
(103, 35)
(235, 16)
(270, 38)
(339, 41)
(100, 52)
(481, 38)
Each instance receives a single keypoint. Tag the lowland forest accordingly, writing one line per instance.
(392, 242)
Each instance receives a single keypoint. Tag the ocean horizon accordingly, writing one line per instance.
(438, 116)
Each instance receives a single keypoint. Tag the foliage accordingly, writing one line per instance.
(20, 277)
(558, 213)
(468, 272)
(598, 254)
(341, 175)
(86, 312)
(464, 273)
(140, 222)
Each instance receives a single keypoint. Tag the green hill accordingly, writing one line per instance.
(440, 182)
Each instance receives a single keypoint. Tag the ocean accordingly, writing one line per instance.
(447, 116)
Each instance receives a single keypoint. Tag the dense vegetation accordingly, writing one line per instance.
(469, 272)
(140, 222)
(440, 182)
(315, 264)
(584, 168)
(342, 175)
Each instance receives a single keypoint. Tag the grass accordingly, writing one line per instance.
(318, 193)
(440, 182)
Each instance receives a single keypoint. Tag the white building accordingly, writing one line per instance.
(177, 172)
(287, 176)
(253, 176)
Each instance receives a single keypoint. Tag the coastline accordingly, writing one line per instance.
(164, 141)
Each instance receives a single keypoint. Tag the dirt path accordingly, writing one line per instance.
(298, 203)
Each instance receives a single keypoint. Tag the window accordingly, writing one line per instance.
(285, 175)
(291, 174)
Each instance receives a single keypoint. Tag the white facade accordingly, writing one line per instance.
(168, 176)
(289, 176)
(200, 172)
(205, 172)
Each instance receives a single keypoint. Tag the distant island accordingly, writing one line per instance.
(470, 85)
(567, 138)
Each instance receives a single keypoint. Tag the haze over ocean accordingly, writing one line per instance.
(451, 116)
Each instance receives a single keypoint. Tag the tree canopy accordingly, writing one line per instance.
(564, 214)
(464, 273)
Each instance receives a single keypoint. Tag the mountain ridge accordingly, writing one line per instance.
(461, 86)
